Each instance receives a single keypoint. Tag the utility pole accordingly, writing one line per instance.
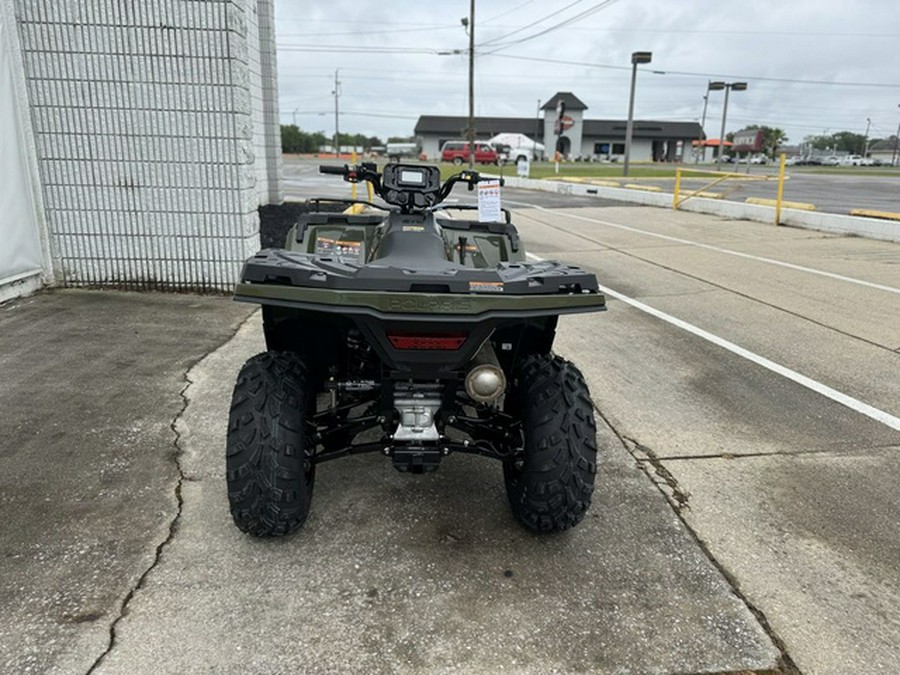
(471, 84)
(866, 145)
(337, 132)
(896, 138)
(703, 124)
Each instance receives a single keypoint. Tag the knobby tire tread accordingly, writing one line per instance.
(552, 489)
(268, 468)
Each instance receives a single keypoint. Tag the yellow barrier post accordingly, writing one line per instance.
(780, 190)
(677, 188)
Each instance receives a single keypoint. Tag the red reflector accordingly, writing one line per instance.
(446, 342)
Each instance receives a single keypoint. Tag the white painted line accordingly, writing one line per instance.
(845, 400)
(800, 268)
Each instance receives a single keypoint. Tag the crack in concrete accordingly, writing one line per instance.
(179, 499)
(173, 526)
(679, 501)
(677, 497)
(825, 452)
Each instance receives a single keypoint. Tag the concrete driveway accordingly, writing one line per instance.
(119, 554)
(744, 521)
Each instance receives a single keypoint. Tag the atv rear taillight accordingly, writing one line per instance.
(444, 341)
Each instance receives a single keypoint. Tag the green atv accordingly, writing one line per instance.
(406, 332)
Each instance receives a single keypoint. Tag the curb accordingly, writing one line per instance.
(870, 228)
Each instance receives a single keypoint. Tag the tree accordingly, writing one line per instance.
(294, 140)
(773, 138)
(291, 139)
(841, 141)
(849, 142)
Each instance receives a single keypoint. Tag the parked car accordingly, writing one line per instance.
(852, 160)
(458, 153)
(398, 151)
(759, 159)
(832, 161)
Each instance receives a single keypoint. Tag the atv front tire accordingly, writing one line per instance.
(551, 481)
(269, 465)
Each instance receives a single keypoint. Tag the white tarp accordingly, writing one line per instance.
(20, 248)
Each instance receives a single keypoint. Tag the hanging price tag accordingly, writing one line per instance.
(489, 202)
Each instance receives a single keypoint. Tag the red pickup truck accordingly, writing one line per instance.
(458, 153)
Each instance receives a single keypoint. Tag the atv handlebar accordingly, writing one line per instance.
(411, 193)
(339, 170)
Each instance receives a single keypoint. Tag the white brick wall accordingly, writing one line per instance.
(151, 122)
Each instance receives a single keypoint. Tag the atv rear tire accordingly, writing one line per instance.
(550, 483)
(269, 465)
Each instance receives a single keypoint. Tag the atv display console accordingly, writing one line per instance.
(409, 333)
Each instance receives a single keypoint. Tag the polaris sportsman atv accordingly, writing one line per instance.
(404, 331)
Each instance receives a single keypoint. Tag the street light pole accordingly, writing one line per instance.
(710, 86)
(737, 86)
(636, 58)
(471, 135)
(337, 131)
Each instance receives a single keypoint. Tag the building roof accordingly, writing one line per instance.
(486, 127)
(455, 127)
(642, 129)
(884, 145)
(571, 100)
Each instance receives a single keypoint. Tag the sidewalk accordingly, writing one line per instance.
(90, 384)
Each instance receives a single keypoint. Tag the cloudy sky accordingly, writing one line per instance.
(812, 66)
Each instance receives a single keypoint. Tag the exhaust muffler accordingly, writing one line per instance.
(485, 381)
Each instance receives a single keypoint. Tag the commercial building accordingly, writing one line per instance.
(579, 138)
(141, 136)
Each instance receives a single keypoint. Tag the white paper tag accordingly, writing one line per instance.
(523, 168)
(489, 202)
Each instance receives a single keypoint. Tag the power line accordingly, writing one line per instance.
(347, 49)
(366, 113)
(706, 76)
(533, 23)
(578, 17)
(427, 29)
(514, 9)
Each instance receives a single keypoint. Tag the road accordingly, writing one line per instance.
(838, 193)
